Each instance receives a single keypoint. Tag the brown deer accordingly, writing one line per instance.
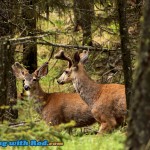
(55, 108)
(106, 101)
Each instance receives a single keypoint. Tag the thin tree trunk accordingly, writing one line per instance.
(30, 57)
(3, 82)
(139, 123)
(8, 92)
(83, 15)
(10, 113)
(126, 55)
(7, 80)
(11, 80)
(30, 51)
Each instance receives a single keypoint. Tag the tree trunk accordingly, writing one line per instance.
(8, 92)
(30, 51)
(83, 15)
(139, 122)
(3, 82)
(126, 56)
(11, 84)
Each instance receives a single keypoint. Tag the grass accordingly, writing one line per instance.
(114, 141)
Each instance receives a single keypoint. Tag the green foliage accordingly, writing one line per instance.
(33, 127)
(114, 141)
(30, 126)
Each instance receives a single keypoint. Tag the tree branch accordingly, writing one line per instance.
(31, 40)
(74, 46)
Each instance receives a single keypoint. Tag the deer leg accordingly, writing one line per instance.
(104, 128)
(101, 120)
(106, 121)
(107, 124)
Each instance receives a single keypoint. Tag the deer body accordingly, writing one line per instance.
(56, 108)
(62, 107)
(106, 101)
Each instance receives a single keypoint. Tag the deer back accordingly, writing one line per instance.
(64, 107)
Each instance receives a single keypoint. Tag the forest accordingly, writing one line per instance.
(75, 74)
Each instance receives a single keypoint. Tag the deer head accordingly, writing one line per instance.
(74, 66)
(30, 80)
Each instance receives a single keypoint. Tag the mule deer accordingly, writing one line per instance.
(56, 108)
(106, 101)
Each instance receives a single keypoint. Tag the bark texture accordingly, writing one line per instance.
(30, 50)
(8, 92)
(139, 122)
(83, 15)
(126, 55)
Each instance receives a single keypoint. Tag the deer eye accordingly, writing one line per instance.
(22, 72)
(66, 72)
(34, 79)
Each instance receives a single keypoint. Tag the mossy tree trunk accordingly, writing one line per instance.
(126, 56)
(8, 92)
(30, 51)
(83, 16)
(3, 81)
(139, 122)
(11, 80)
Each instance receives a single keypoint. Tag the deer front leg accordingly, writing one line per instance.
(107, 123)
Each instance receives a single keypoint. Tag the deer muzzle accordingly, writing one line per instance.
(60, 82)
(26, 87)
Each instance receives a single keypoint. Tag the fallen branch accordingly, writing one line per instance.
(32, 40)
(77, 47)
(21, 123)
(29, 38)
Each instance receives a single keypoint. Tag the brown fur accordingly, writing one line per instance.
(55, 108)
(106, 101)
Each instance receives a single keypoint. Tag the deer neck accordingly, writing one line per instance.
(39, 97)
(86, 87)
(37, 93)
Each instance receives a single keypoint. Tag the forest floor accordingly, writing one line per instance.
(113, 141)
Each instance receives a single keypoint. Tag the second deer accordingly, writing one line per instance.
(106, 101)
(55, 108)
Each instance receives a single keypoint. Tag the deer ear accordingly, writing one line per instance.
(19, 71)
(84, 56)
(42, 71)
(76, 58)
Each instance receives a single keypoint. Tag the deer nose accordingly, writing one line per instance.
(26, 87)
(60, 82)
